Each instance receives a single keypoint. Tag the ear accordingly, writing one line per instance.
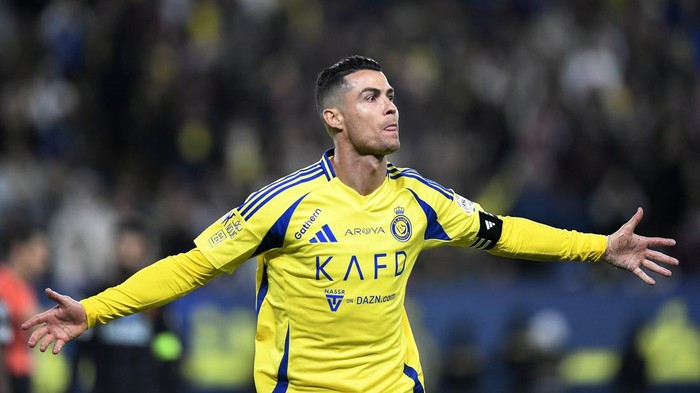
(333, 118)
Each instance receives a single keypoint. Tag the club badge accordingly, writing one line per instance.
(401, 225)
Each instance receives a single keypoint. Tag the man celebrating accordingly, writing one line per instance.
(335, 244)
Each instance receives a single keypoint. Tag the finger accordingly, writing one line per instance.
(62, 300)
(35, 320)
(45, 342)
(643, 276)
(37, 335)
(656, 268)
(661, 257)
(635, 220)
(661, 242)
(58, 346)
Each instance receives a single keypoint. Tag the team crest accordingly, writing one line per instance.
(334, 301)
(334, 298)
(401, 225)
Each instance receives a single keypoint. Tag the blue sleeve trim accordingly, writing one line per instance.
(326, 164)
(411, 173)
(275, 235)
(433, 230)
(413, 374)
(282, 377)
(262, 291)
(264, 195)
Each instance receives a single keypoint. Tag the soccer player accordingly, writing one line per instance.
(335, 244)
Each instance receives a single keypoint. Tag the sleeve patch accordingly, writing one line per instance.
(490, 228)
(229, 226)
(465, 204)
(217, 238)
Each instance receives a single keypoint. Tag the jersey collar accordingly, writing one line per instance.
(328, 167)
(326, 164)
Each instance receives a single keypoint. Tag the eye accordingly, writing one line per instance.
(371, 98)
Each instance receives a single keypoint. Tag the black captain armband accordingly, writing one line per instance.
(490, 228)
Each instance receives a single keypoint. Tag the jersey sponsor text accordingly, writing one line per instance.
(307, 224)
(378, 265)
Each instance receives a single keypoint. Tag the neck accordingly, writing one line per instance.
(362, 173)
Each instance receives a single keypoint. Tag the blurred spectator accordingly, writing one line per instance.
(218, 330)
(670, 348)
(462, 364)
(139, 353)
(632, 374)
(24, 261)
(535, 345)
(82, 232)
(586, 103)
(5, 339)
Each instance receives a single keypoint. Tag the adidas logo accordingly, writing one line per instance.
(325, 235)
(489, 231)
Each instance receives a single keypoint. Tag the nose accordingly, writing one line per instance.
(390, 107)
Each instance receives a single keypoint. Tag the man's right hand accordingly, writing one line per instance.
(62, 323)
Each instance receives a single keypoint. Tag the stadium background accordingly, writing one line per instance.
(571, 113)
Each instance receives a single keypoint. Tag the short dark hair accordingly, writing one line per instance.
(333, 77)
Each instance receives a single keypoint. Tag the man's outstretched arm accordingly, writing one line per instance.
(151, 287)
(623, 249)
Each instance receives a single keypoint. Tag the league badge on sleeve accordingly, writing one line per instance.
(464, 203)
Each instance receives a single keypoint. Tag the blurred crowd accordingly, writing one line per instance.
(572, 113)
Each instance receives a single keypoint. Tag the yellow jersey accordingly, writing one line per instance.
(332, 272)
